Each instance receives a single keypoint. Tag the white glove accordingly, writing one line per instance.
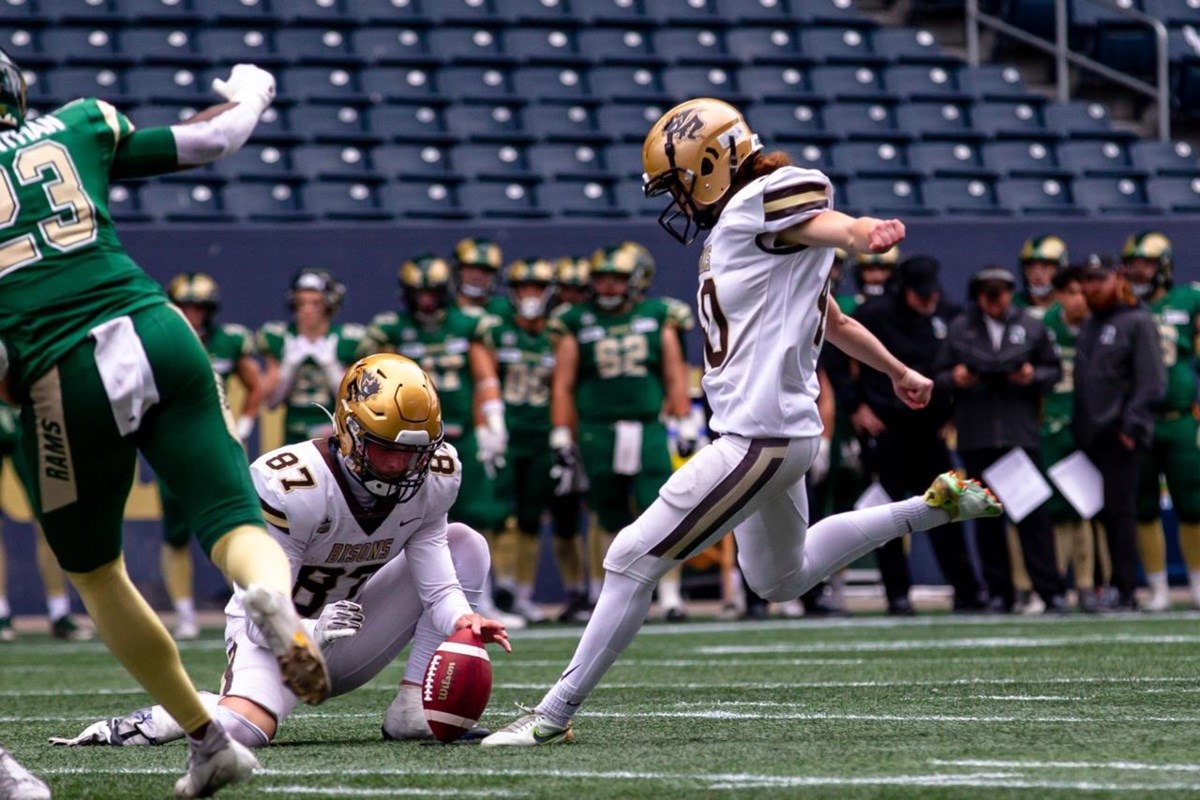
(247, 84)
(492, 438)
(687, 435)
(324, 352)
(820, 465)
(245, 426)
(852, 455)
(337, 621)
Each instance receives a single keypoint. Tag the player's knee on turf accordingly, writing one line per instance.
(470, 554)
(246, 722)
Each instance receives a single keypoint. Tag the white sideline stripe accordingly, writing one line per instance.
(350, 791)
(947, 644)
(463, 650)
(1134, 766)
(716, 781)
(1028, 698)
(433, 715)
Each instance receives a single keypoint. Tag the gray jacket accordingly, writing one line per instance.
(1119, 376)
(996, 412)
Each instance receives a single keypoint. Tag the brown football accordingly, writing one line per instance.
(458, 685)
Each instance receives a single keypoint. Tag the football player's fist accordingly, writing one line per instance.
(884, 235)
(247, 84)
(913, 388)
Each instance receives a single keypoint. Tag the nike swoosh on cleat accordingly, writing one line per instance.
(545, 738)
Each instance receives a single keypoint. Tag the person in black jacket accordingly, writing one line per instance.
(1119, 377)
(900, 444)
(998, 361)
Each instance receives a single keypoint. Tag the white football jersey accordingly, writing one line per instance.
(763, 308)
(334, 544)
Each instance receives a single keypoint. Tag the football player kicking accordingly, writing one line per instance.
(104, 368)
(765, 306)
(363, 519)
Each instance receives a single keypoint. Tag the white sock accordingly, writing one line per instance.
(620, 612)
(240, 729)
(58, 605)
(1194, 584)
(1157, 581)
(669, 594)
(185, 609)
(166, 729)
(5, 611)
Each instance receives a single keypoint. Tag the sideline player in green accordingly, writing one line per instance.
(306, 358)
(617, 359)
(1041, 259)
(1148, 263)
(477, 264)
(230, 348)
(104, 368)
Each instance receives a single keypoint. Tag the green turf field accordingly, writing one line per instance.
(936, 707)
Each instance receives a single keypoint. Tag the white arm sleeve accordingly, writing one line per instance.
(223, 135)
(428, 555)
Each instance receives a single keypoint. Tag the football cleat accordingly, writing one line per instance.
(213, 762)
(300, 661)
(136, 728)
(962, 498)
(66, 629)
(528, 610)
(405, 719)
(7, 634)
(186, 630)
(18, 783)
(531, 730)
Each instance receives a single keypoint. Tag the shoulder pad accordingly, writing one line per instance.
(352, 330)
(274, 328)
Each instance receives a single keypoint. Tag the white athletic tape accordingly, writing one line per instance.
(463, 649)
(449, 719)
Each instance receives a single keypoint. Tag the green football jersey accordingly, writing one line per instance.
(310, 386)
(1176, 313)
(1060, 400)
(227, 344)
(620, 374)
(848, 303)
(526, 366)
(62, 269)
(442, 351)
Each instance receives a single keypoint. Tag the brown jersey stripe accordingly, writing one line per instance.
(227, 675)
(763, 459)
(274, 516)
(794, 189)
(796, 210)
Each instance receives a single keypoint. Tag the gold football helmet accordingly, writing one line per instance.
(388, 423)
(482, 254)
(426, 273)
(693, 153)
(646, 267)
(623, 260)
(194, 288)
(572, 271)
(1153, 246)
(1045, 248)
(530, 272)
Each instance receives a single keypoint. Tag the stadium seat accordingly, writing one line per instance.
(908, 46)
(1165, 158)
(539, 12)
(829, 12)
(275, 125)
(1034, 16)
(869, 158)
(992, 82)
(784, 122)
(70, 83)
(1036, 196)
(853, 83)
(313, 45)
(307, 11)
(550, 83)
(475, 83)
(961, 196)
(884, 196)
(23, 45)
(380, 45)
(1112, 195)
(159, 46)
(1176, 193)
(1171, 12)
(407, 122)
(863, 120)
(752, 11)
(333, 162)
(383, 12)
(628, 122)
(485, 122)
(631, 83)
(761, 45)
(1078, 119)
(775, 83)
(327, 123)
(237, 11)
(501, 199)
(1015, 120)
(556, 122)
(690, 45)
(947, 158)
(81, 45)
(607, 12)
(323, 84)
(683, 83)
(681, 12)
(836, 45)
(633, 201)
(342, 200)
(123, 205)
(264, 202)
(624, 160)
(256, 162)
(500, 161)
(182, 201)
(421, 200)
(1020, 158)
(575, 161)
(236, 45)
(464, 45)
(1094, 157)
(933, 120)
(412, 161)
(812, 156)
(458, 11)
(16, 11)
(405, 84)
(540, 45)
(151, 116)
(615, 46)
(68, 11)
(176, 12)
(578, 198)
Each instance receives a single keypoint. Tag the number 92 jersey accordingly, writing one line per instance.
(334, 544)
(762, 307)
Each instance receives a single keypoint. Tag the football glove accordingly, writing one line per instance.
(687, 436)
(491, 438)
(247, 84)
(136, 728)
(567, 471)
(337, 621)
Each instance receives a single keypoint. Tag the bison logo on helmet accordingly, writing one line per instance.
(685, 125)
(366, 387)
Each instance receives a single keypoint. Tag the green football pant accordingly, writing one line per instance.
(525, 486)
(174, 524)
(1175, 453)
(617, 499)
(84, 465)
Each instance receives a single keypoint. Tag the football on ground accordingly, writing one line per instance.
(458, 684)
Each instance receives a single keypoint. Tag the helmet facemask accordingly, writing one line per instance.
(680, 183)
(530, 307)
(405, 476)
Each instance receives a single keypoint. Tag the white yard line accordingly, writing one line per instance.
(972, 643)
(1133, 766)
(351, 791)
(1028, 698)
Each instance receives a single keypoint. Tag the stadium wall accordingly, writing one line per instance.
(253, 265)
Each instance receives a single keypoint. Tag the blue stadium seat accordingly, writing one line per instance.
(274, 125)
(632, 83)
(683, 83)
(81, 45)
(908, 45)
(422, 200)
(632, 200)
(264, 202)
(550, 83)
(1034, 16)
(628, 122)
(256, 162)
(383, 45)
(501, 199)
(784, 122)
(933, 120)
(412, 161)
(864, 119)
(1165, 158)
(238, 11)
(500, 161)
(1036, 196)
(175, 12)
(753, 11)
(624, 160)
(923, 82)
(775, 83)
(485, 122)
(86, 11)
(308, 11)
(151, 116)
(328, 123)
(236, 45)
(458, 11)
(1111, 195)
(1171, 12)
(574, 161)
(538, 12)
(992, 82)
(475, 83)
(946, 158)
(884, 196)
(159, 45)
(331, 162)
(812, 156)
(407, 122)
(23, 45)
(182, 201)
(1078, 119)
(853, 83)
(869, 158)
(1094, 157)
(762, 45)
(829, 12)
(1007, 119)
(611, 12)
(686, 12)
(408, 84)
(383, 12)
(73, 82)
(1020, 158)
(1178, 194)
(123, 205)
(616, 46)
(16, 11)
(314, 45)
(836, 45)
(689, 45)
(961, 196)
(536, 45)
(465, 45)
(579, 198)
(557, 122)
(325, 84)
(342, 200)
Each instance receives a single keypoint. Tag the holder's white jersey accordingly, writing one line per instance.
(763, 308)
(334, 544)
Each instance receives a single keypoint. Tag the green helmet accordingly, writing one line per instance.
(484, 254)
(13, 92)
(1045, 248)
(1156, 247)
(526, 272)
(194, 288)
(621, 260)
(572, 271)
(426, 273)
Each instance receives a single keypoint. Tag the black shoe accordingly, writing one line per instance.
(823, 607)
(1120, 603)
(1087, 601)
(1057, 606)
(998, 605)
(974, 605)
(577, 610)
(678, 614)
(755, 612)
(504, 599)
(901, 607)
